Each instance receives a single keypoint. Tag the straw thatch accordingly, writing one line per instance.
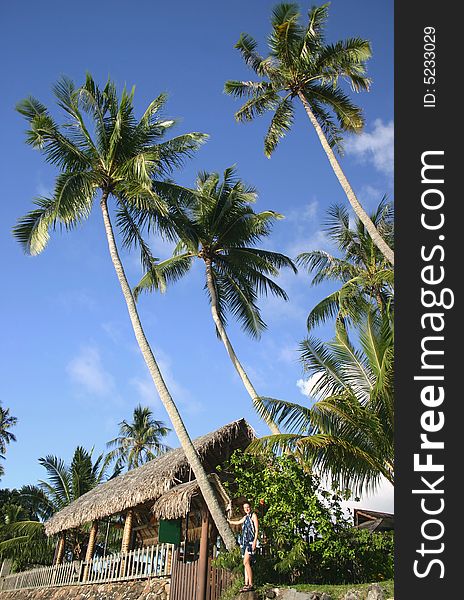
(150, 481)
(177, 501)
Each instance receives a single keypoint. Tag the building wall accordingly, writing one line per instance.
(127, 590)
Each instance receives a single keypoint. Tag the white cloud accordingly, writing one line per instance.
(305, 213)
(288, 354)
(87, 370)
(69, 299)
(180, 394)
(146, 390)
(306, 386)
(316, 241)
(114, 331)
(375, 147)
(275, 309)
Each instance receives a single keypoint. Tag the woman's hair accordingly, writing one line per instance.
(247, 502)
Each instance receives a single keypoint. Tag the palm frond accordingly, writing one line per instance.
(174, 152)
(153, 108)
(348, 114)
(258, 105)
(287, 34)
(247, 47)
(289, 415)
(241, 89)
(131, 234)
(281, 123)
(240, 299)
(32, 230)
(59, 477)
(163, 273)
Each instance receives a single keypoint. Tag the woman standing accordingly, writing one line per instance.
(249, 540)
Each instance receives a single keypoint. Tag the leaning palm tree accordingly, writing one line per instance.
(139, 441)
(366, 276)
(302, 65)
(349, 432)
(220, 227)
(103, 152)
(6, 437)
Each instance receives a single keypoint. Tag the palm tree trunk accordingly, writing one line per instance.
(233, 357)
(358, 209)
(206, 489)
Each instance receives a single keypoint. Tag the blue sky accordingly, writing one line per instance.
(70, 366)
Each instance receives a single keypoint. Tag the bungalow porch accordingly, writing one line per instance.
(160, 518)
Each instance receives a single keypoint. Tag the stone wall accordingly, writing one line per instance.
(154, 589)
(374, 592)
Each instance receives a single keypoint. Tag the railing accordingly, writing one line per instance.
(152, 561)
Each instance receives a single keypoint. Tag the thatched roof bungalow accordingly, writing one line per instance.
(159, 491)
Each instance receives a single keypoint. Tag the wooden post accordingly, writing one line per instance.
(59, 554)
(90, 548)
(126, 540)
(127, 534)
(203, 558)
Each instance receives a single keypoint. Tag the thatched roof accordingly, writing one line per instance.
(177, 501)
(150, 481)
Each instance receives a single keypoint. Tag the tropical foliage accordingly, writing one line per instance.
(219, 226)
(7, 421)
(22, 532)
(365, 274)
(305, 534)
(139, 441)
(349, 432)
(302, 65)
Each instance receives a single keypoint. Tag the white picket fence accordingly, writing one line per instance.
(152, 561)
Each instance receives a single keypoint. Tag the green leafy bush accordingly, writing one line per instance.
(304, 533)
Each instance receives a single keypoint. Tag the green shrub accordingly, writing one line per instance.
(304, 533)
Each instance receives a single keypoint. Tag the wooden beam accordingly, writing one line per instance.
(127, 534)
(59, 553)
(203, 558)
(126, 539)
(90, 548)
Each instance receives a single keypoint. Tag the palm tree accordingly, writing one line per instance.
(6, 437)
(118, 158)
(23, 537)
(140, 441)
(349, 431)
(301, 65)
(366, 275)
(220, 228)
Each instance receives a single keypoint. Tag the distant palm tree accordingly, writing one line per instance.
(6, 437)
(103, 150)
(220, 227)
(366, 275)
(349, 432)
(302, 65)
(24, 539)
(140, 441)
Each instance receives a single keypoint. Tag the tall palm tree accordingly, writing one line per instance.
(366, 276)
(139, 441)
(6, 436)
(220, 228)
(302, 65)
(118, 158)
(23, 538)
(349, 431)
